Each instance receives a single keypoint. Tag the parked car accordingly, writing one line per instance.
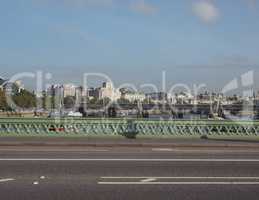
(74, 114)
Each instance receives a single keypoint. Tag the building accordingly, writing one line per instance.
(63, 90)
(185, 98)
(157, 97)
(57, 92)
(19, 85)
(53, 90)
(11, 87)
(108, 91)
(2, 84)
(69, 90)
(133, 96)
(93, 93)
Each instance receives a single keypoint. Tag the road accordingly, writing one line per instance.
(41, 173)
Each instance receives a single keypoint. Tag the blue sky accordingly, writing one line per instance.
(194, 41)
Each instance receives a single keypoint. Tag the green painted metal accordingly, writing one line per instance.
(127, 127)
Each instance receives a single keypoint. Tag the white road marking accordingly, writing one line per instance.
(194, 151)
(98, 150)
(178, 183)
(181, 177)
(148, 180)
(152, 181)
(130, 160)
(6, 179)
(56, 150)
(162, 149)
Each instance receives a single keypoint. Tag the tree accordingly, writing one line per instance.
(44, 100)
(3, 103)
(24, 99)
(147, 101)
(69, 102)
(93, 101)
(123, 101)
(104, 101)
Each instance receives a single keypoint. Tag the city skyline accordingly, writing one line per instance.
(194, 41)
(242, 85)
(129, 99)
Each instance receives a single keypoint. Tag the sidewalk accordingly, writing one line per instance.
(121, 142)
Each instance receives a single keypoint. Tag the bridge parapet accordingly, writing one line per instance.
(126, 127)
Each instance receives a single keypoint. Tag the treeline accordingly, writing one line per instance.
(23, 99)
(3, 103)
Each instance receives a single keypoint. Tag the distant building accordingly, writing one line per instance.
(11, 87)
(39, 94)
(93, 93)
(19, 85)
(78, 96)
(56, 91)
(157, 97)
(2, 84)
(132, 96)
(53, 90)
(62, 90)
(108, 91)
(69, 90)
(185, 98)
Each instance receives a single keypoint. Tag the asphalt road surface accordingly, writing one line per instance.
(40, 173)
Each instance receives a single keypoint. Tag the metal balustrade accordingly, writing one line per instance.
(115, 127)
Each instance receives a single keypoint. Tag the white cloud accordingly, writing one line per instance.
(79, 3)
(206, 11)
(252, 3)
(240, 60)
(142, 7)
(91, 2)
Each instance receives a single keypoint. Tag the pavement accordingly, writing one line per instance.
(116, 172)
(124, 142)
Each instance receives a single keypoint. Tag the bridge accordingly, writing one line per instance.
(126, 127)
(182, 107)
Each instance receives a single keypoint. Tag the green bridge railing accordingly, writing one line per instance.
(127, 127)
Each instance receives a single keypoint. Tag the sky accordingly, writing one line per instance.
(193, 41)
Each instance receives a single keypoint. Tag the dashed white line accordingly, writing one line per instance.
(162, 149)
(194, 151)
(181, 177)
(153, 181)
(129, 160)
(178, 183)
(148, 180)
(56, 150)
(6, 180)
(35, 183)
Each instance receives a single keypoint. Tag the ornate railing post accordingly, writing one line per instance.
(131, 131)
